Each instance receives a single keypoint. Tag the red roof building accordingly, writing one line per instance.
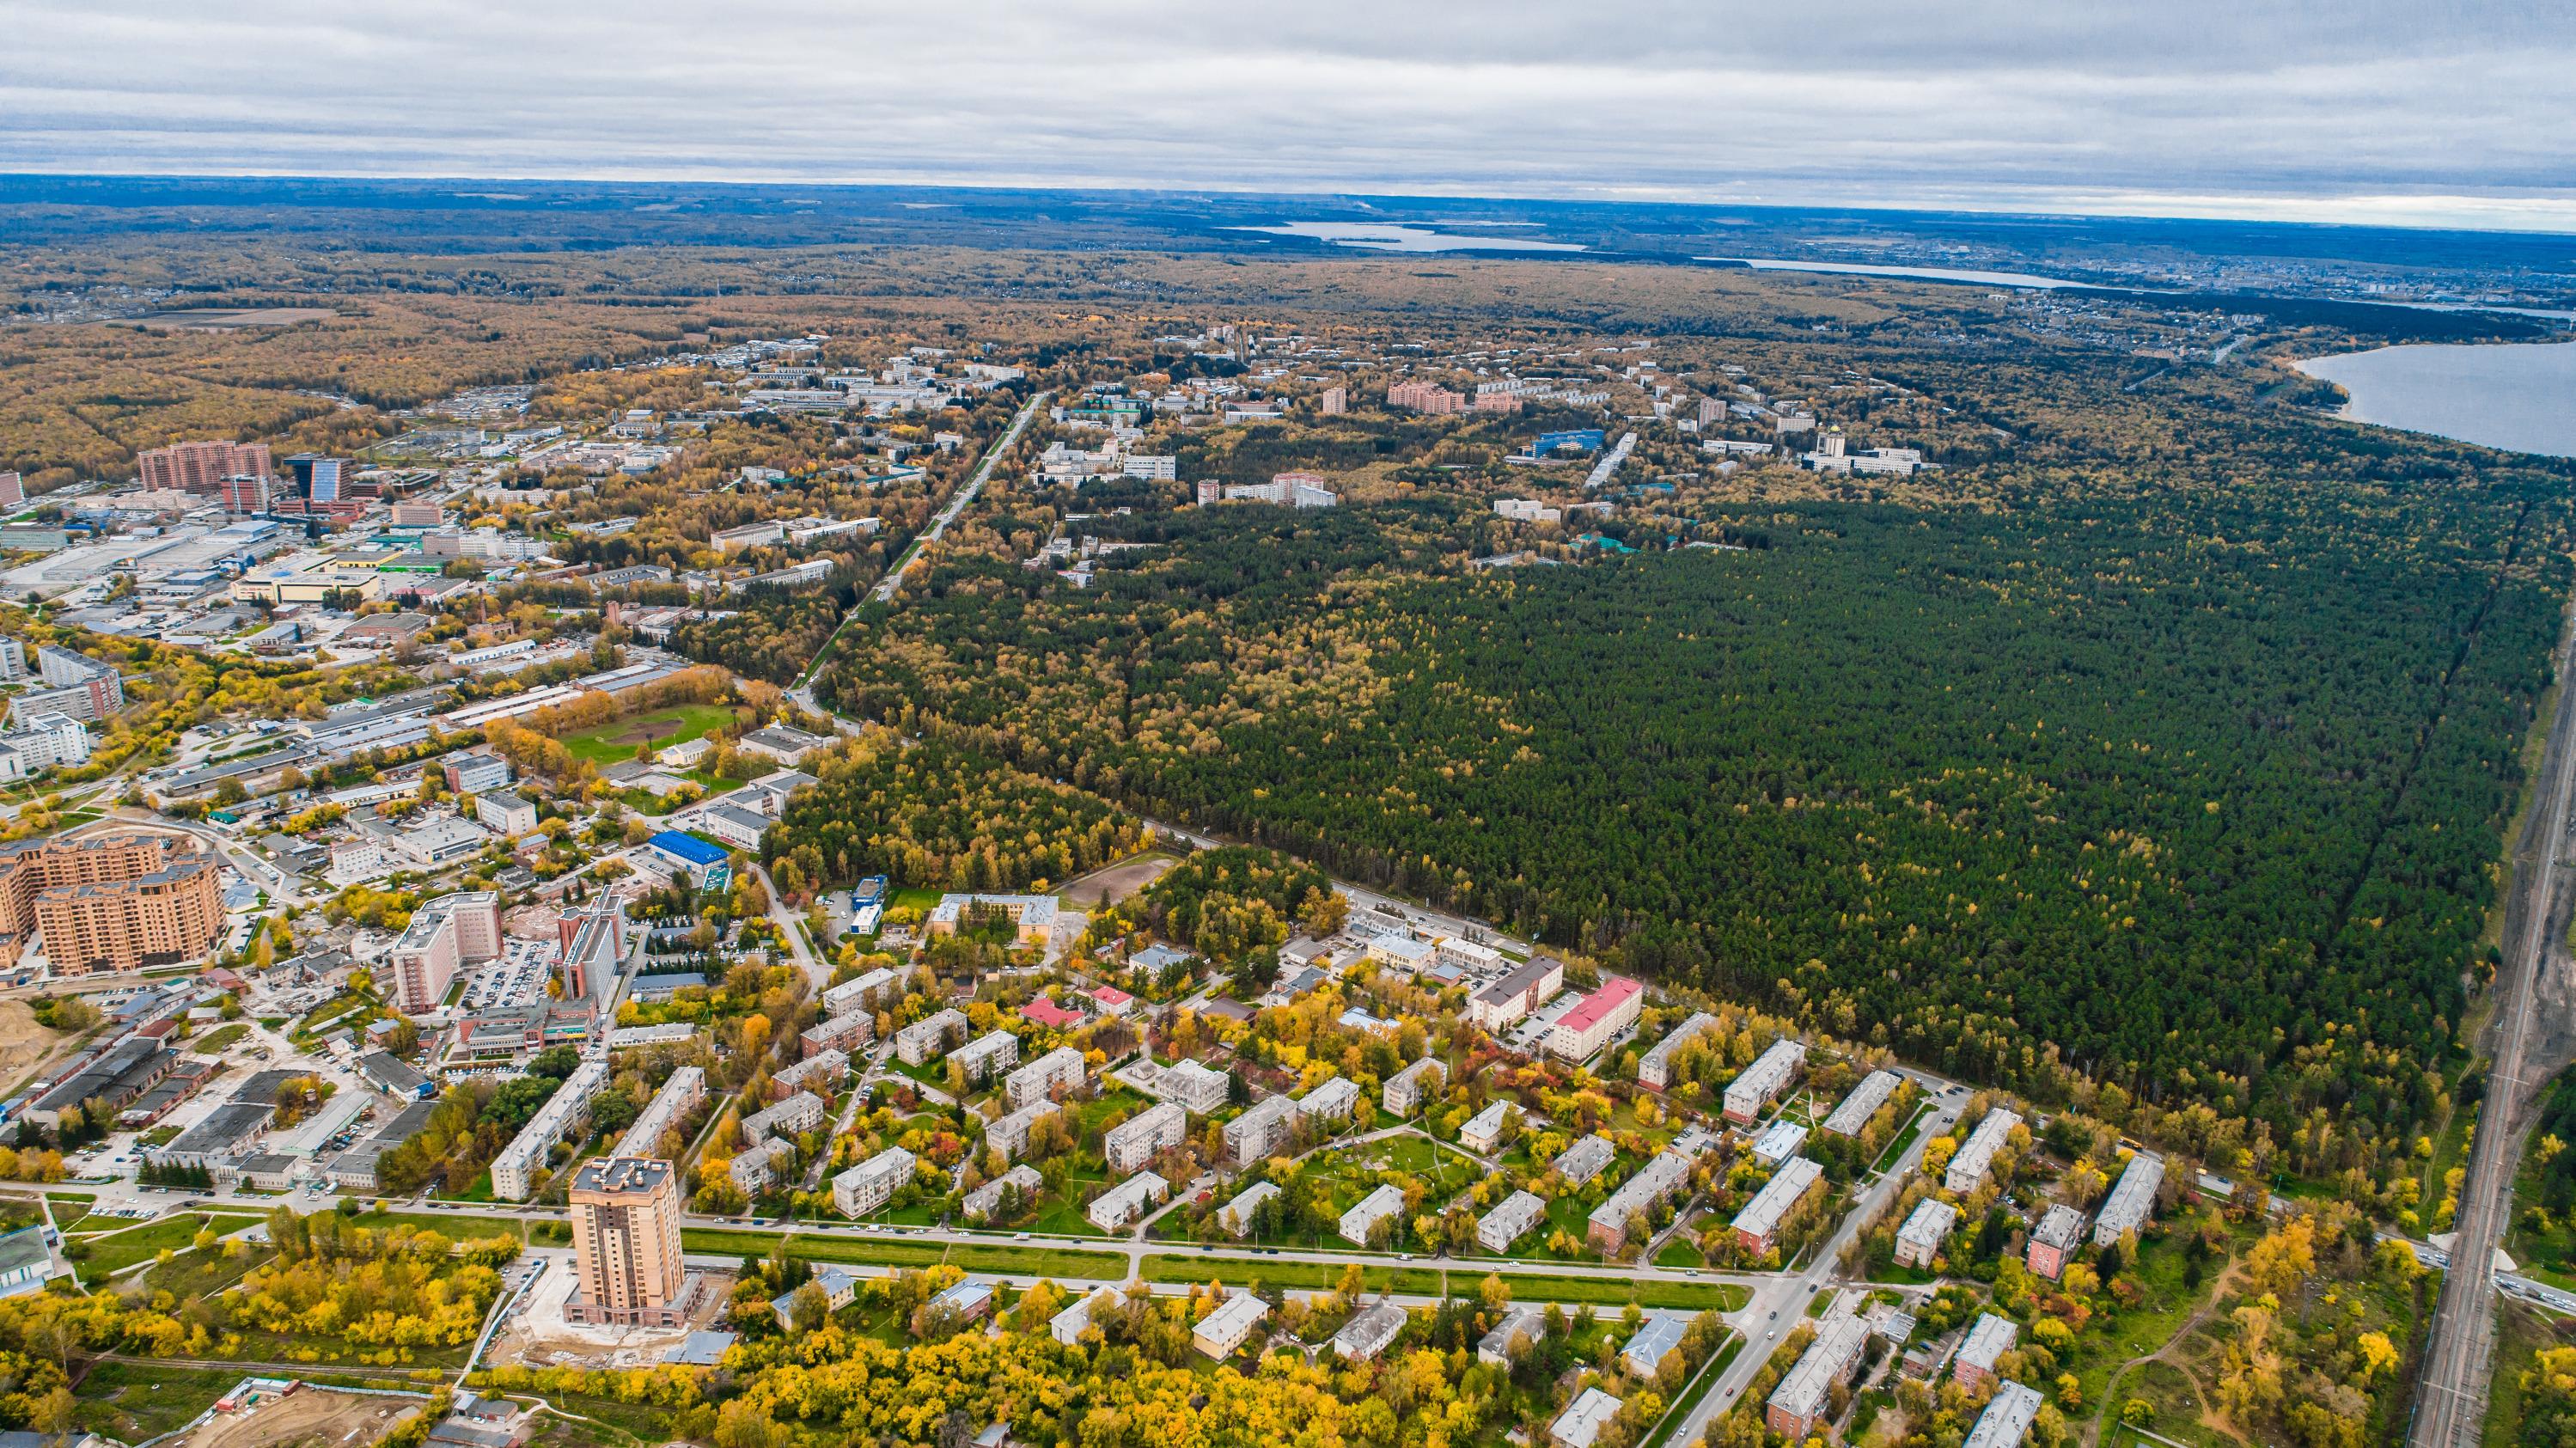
(1047, 1013)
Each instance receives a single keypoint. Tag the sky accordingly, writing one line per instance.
(2420, 112)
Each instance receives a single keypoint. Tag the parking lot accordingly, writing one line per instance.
(518, 978)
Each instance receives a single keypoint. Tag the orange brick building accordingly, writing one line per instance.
(110, 901)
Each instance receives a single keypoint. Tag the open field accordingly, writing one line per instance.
(622, 739)
(108, 1253)
(134, 1401)
(1029, 1260)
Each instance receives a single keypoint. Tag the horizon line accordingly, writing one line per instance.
(2399, 211)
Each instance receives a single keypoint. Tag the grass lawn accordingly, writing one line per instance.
(215, 1041)
(135, 1401)
(201, 1274)
(2521, 1332)
(2146, 1327)
(1033, 1261)
(2177, 1407)
(613, 1422)
(1063, 1219)
(111, 1252)
(619, 740)
(1679, 1253)
(1896, 1145)
(1696, 1390)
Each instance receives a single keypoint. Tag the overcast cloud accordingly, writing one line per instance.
(2358, 110)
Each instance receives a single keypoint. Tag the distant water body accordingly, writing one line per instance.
(2518, 395)
(1924, 273)
(1376, 236)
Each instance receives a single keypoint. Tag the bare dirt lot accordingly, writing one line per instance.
(1118, 881)
(307, 1418)
(23, 1044)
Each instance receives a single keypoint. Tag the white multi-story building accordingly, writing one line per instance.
(1222, 1333)
(1510, 1221)
(1198, 1089)
(1757, 1227)
(756, 1170)
(2008, 1417)
(981, 1202)
(1920, 1239)
(1114, 1209)
(1654, 1068)
(1403, 1091)
(1068, 1326)
(515, 1168)
(1764, 1080)
(992, 1052)
(1584, 1030)
(1009, 1134)
(794, 1116)
(1799, 1406)
(1363, 1218)
(44, 741)
(825, 1067)
(2131, 1202)
(1334, 1100)
(871, 1184)
(1259, 1131)
(1578, 1164)
(861, 992)
(1367, 1335)
(1150, 1133)
(1778, 1142)
(915, 1044)
(1236, 1216)
(1484, 1131)
(1040, 1079)
(684, 1092)
(1528, 987)
(1862, 1103)
(1976, 1156)
(445, 933)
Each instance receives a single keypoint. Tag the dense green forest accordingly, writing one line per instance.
(940, 817)
(2181, 759)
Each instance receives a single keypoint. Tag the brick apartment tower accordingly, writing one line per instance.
(202, 467)
(110, 901)
(626, 1237)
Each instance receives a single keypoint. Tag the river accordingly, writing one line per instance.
(2520, 396)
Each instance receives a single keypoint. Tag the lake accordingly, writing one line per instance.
(1375, 236)
(1925, 273)
(2520, 396)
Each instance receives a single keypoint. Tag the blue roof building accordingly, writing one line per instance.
(706, 865)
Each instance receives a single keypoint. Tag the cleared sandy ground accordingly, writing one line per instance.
(306, 1418)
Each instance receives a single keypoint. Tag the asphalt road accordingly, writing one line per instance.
(2451, 1391)
(1780, 1299)
(965, 496)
